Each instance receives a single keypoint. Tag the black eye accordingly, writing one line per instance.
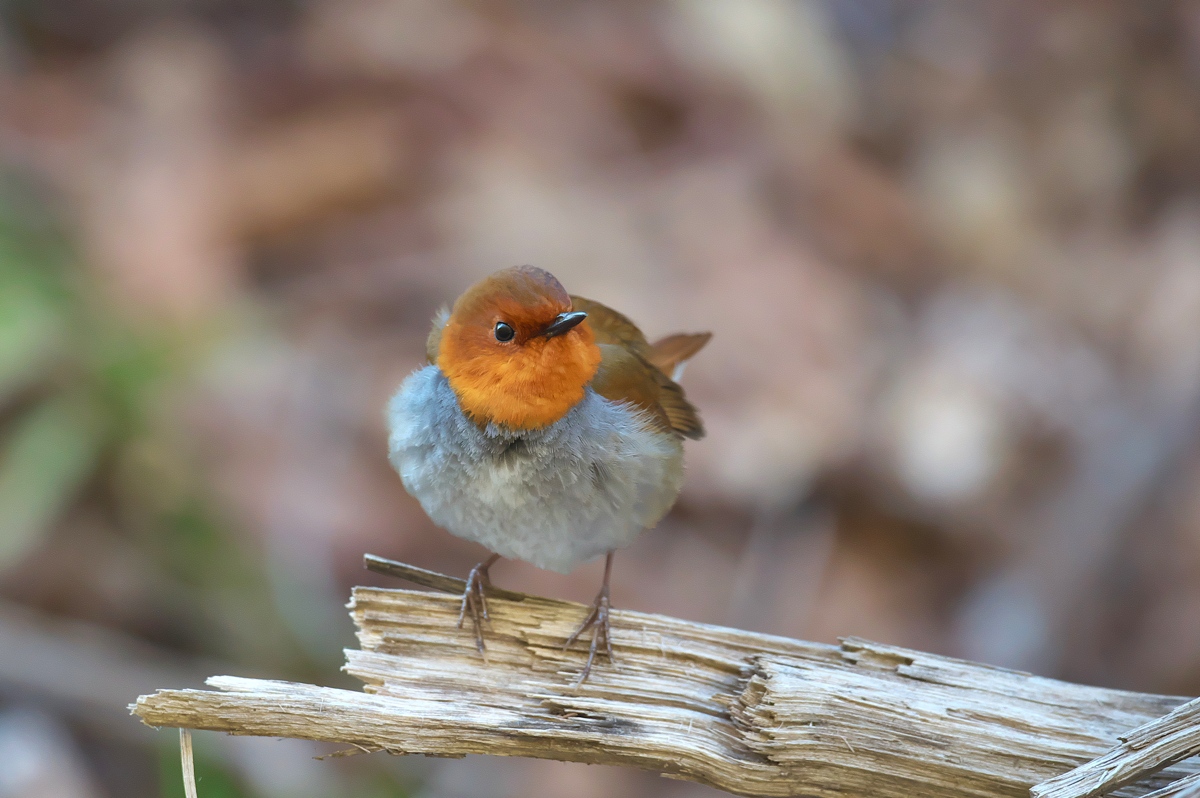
(504, 333)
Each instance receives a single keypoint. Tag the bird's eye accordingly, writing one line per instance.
(503, 332)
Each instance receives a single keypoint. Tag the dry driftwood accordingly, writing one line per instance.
(748, 713)
(1146, 749)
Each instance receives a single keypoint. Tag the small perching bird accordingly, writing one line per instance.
(545, 428)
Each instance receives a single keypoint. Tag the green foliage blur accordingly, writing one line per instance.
(88, 410)
(85, 401)
(62, 404)
(212, 779)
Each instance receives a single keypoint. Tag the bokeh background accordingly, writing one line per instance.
(950, 253)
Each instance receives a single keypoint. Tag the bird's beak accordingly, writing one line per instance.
(565, 322)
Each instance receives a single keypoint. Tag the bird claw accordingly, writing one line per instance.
(597, 620)
(474, 600)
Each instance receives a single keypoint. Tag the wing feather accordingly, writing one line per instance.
(672, 353)
(630, 371)
(612, 327)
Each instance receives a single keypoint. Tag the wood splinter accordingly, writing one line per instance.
(748, 713)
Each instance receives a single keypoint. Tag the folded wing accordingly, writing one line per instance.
(634, 371)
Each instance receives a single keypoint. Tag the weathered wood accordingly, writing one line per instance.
(1187, 787)
(747, 713)
(1143, 751)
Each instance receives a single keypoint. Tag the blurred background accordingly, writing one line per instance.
(950, 253)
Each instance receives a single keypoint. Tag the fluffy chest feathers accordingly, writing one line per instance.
(555, 496)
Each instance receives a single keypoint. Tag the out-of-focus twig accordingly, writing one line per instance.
(189, 765)
(431, 579)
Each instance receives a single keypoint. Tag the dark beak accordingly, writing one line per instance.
(564, 323)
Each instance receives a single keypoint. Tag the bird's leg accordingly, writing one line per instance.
(474, 599)
(597, 620)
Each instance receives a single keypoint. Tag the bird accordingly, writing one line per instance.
(547, 428)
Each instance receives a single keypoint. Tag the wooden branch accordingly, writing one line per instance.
(1187, 787)
(432, 579)
(748, 713)
(1144, 750)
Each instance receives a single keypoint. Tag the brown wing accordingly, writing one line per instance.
(666, 354)
(625, 376)
(629, 370)
(672, 353)
(680, 412)
(612, 327)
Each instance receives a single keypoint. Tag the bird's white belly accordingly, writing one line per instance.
(585, 485)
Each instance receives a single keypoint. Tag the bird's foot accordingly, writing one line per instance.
(598, 621)
(474, 601)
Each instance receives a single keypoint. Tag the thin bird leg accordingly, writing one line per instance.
(475, 600)
(598, 621)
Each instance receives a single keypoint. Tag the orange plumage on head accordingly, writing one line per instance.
(530, 381)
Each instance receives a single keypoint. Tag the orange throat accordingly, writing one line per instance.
(531, 387)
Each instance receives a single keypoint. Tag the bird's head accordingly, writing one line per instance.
(515, 352)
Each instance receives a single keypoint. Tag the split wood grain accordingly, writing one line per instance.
(1187, 787)
(1142, 751)
(748, 713)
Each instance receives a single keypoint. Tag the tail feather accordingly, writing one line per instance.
(671, 354)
